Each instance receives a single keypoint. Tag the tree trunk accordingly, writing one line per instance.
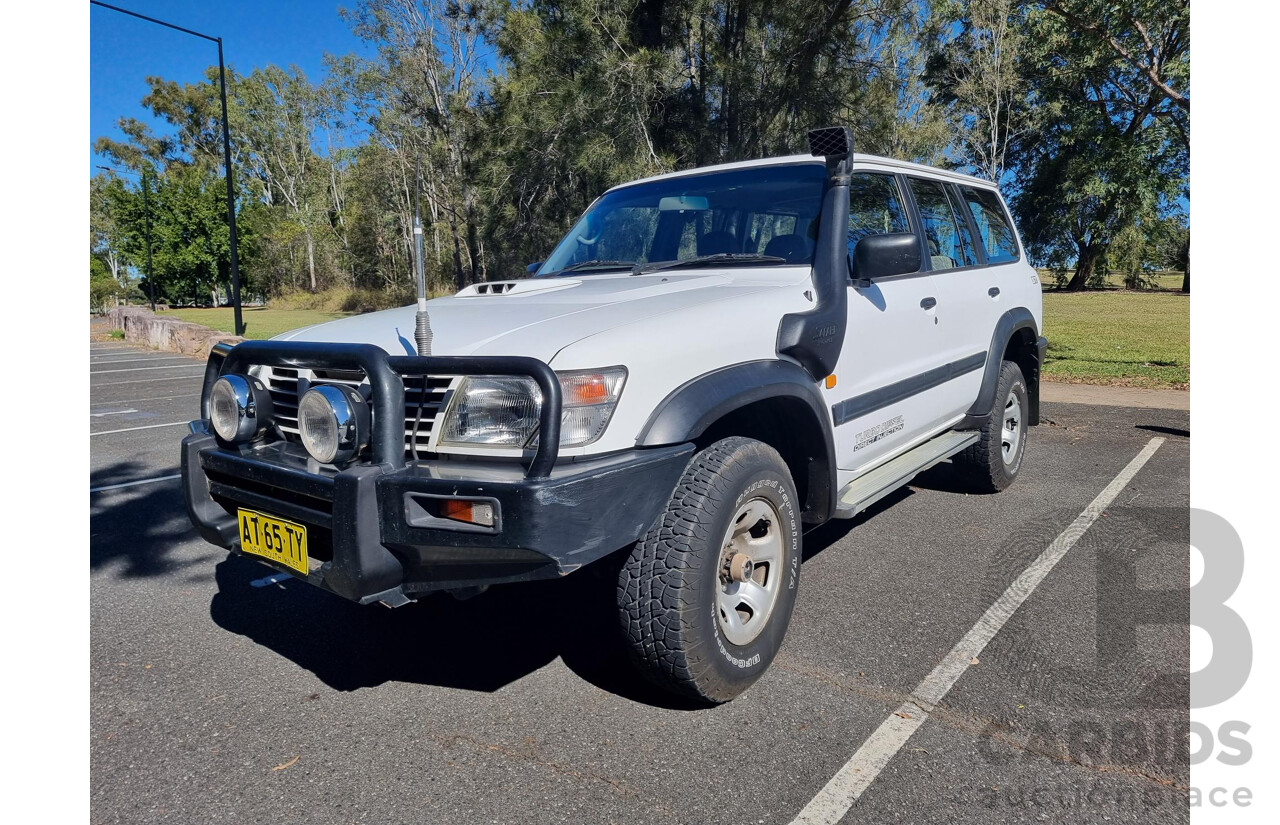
(311, 259)
(459, 276)
(473, 246)
(1085, 262)
(1186, 271)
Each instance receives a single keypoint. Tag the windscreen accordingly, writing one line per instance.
(762, 210)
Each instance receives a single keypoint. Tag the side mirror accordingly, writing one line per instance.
(533, 267)
(882, 256)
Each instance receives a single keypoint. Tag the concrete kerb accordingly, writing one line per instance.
(1055, 393)
(167, 334)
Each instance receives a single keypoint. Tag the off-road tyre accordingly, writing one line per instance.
(988, 467)
(670, 587)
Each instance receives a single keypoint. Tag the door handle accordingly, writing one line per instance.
(928, 303)
(994, 291)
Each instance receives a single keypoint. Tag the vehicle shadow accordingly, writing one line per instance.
(947, 477)
(480, 644)
(823, 537)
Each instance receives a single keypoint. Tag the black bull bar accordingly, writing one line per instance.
(386, 375)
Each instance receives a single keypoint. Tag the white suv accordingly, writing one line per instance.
(710, 363)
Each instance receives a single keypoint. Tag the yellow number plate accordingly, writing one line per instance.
(284, 542)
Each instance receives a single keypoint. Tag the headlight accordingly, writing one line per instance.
(498, 411)
(239, 407)
(333, 422)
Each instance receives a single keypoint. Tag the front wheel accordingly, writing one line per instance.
(706, 595)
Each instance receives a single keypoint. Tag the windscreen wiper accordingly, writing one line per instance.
(708, 260)
(594, 264)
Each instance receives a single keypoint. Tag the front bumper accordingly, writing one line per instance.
(372, 538)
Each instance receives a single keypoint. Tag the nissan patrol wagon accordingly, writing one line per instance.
(709, 364)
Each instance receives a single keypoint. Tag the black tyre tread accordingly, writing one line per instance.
(981, 461)
(652, 594)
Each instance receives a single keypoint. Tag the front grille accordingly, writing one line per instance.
(288, 385)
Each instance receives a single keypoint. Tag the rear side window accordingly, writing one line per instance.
(948, 247)
(994, 229)
(874, 207)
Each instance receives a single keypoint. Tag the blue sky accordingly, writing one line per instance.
(124, 51)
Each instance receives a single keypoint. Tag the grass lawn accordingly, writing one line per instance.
(1132, 339)
(259, 322)
(1163, 280)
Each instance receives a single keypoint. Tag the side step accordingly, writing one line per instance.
(867, 489)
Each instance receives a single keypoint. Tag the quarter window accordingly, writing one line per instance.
(993, 224)
(948, 247)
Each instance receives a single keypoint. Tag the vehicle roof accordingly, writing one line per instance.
(858, 160)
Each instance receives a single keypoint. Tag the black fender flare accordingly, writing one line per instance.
(687, 412)
(1010, 322)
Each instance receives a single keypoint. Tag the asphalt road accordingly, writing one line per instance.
(219, 698)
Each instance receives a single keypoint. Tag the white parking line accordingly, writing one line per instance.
(148, 380)
(838, 795)
(103, 361)
(143, 369)
(132, 429)
(113, 412)
(163, 397)
(132, 483)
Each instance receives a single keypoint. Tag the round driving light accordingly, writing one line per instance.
(239, 407)
(333, 422)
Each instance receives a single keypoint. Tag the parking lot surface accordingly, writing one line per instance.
(220, 696)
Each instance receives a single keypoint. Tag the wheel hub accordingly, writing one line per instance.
(750, 571)
(740, 567)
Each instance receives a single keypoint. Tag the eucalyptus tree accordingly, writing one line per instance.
(108, 237)
(431, 53)
(977, 77)
(279, 112)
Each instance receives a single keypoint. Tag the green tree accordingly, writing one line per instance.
(1150, 41)
(595, 93)
(1103, 156)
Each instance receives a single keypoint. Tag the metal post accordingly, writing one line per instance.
(231, 194)
(146, 215)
